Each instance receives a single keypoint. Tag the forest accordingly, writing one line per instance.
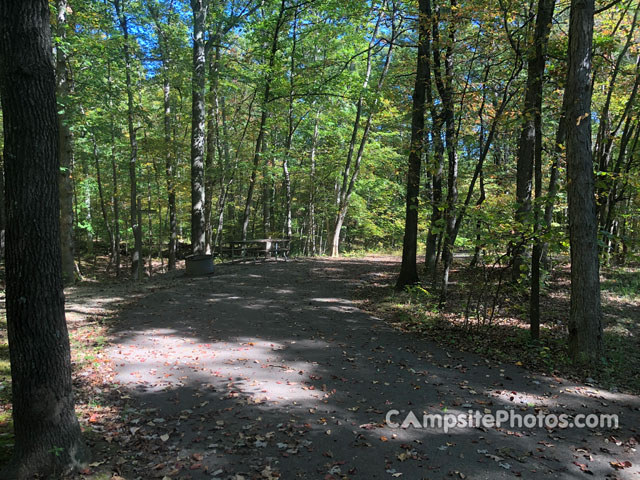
(463, 171)
(298, 117)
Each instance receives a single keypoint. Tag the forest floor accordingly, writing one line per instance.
(287, 370)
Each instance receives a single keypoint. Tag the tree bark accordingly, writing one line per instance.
(408, 270)
(585, 317)
(530, 157)
(479, 202)
(47, 433)
(198, 117)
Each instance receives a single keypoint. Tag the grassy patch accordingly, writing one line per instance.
(6, 422)
(623, 282)
(5, 366)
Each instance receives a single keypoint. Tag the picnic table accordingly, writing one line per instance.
(254, 249)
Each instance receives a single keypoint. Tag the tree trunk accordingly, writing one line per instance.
(479, 202)
(115, 200)
(136, 257)
(585, 317)
(291, 128)
(47, 434)
(150, 238)
(267, 188)
(287, 191)
(198, 116)
(435, 227)
(445, 88)
(88, 217)
(525, 160)
(408, 270)
(530, 157)
(335, 233)
(213, 138)
(66, 148)
(312, 188)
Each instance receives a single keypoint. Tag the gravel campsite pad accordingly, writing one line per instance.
(270, 370)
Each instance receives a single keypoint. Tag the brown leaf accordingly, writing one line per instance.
(618, 465)
(583, 467)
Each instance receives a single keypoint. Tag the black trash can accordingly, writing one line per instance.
(199, 265)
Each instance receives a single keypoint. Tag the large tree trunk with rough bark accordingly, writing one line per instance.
(585, 316)
(408, 270)
(198, 116)
(47, 433)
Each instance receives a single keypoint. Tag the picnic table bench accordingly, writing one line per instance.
(254, 249)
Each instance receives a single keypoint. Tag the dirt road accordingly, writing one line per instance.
(270, 371)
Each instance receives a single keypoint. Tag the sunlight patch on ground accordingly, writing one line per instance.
(160, 359)
(521, 399)
(331, 300)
